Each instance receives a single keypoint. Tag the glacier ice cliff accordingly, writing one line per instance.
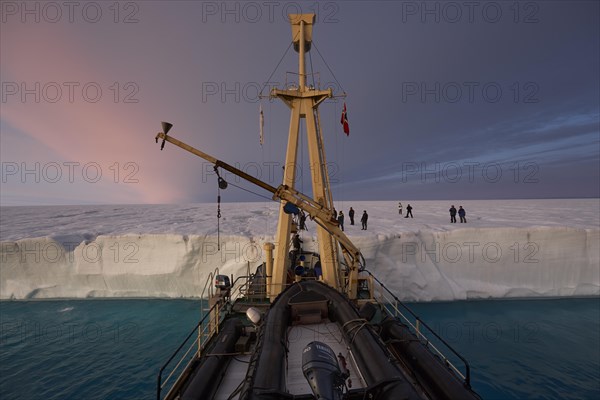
(419, 265)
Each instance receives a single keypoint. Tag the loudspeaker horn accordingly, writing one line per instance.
(166, 127)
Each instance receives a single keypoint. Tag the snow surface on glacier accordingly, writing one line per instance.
(508, 248)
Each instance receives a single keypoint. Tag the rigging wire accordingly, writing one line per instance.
(301, 156)
(312, 72)
(277, 66)
(270, 154)
(218, 217)
(221, 184)
(250, 191)
(302, 168)
(340, 155)
(262, 150)
(328, 67)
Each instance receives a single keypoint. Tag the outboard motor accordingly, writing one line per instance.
(223, 286)
(321, 370)
(222, 282)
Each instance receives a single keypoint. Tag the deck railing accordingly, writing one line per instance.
(246, 287)
(403, 313)
(192, 351)
(192, 346)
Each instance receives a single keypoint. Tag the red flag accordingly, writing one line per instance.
(344, 121)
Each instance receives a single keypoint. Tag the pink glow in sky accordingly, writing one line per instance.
(84, 91)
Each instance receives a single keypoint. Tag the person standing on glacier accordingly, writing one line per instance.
(351, 215)
(462, 214)
(453, 215)
(408, 211)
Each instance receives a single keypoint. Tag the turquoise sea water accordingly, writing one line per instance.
(524, 349)
(113, 349)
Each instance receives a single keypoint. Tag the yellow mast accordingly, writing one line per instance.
(303, 103)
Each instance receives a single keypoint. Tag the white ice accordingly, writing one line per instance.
(508, 248)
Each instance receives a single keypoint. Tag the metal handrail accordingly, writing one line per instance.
(419, 322)
(290, 84)
(237, 290)
(179, 363)
(208, 283)
(159, 377)
(420, 335)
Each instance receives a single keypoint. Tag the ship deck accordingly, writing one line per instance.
(299, 336)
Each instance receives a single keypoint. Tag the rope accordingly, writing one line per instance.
(302, 155)
(262, 150)
(327, 65)
(218, 218)
(270, 155)
(250, 191)
(337, 152)
(222, 183)
(277, 66)
(312, 72)
(363, 322)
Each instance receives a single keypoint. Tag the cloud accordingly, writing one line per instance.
(201, 71)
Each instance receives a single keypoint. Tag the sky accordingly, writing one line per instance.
(445, 100)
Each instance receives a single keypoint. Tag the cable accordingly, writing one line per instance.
(250, 191)
(219, 219)
(277, 66)
(327, 65)
(301, 157)
(218, 210)
(312, 72)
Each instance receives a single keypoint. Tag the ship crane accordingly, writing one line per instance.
(303, 102)
(290, 350)
(317, 212)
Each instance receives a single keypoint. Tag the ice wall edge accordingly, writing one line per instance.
(425, 265)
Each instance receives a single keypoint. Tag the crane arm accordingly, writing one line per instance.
(316, 211)
(216, 162)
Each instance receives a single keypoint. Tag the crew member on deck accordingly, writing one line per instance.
(296, 249)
